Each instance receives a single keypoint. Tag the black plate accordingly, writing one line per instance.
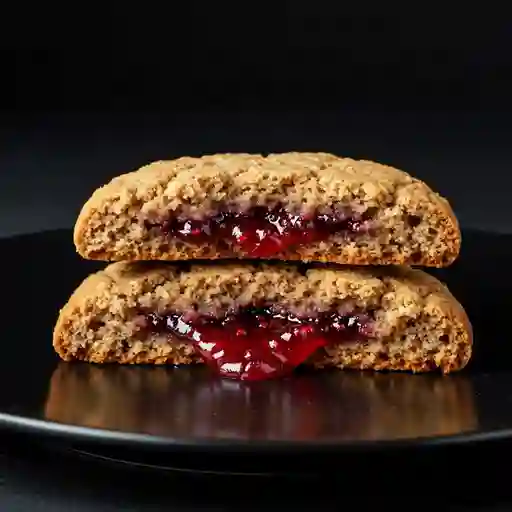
(186, 409)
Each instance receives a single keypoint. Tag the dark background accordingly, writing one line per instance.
(88, 92)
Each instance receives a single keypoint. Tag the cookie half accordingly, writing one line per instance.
(253, 321)
(292, 206)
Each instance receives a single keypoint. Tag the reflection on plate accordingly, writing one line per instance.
(322, 406)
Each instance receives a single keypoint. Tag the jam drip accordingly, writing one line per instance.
(261, 233)
(259, 343)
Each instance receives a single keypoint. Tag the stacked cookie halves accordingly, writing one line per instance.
(258, 264)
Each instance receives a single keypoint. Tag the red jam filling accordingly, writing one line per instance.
(261, 232)
(259, 343)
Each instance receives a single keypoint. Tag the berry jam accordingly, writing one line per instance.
(261, 233)
(258, 343)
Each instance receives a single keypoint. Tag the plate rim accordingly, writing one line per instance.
(101, 436)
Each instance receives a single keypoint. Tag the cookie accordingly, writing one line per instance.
(292, 206)
(254, 321)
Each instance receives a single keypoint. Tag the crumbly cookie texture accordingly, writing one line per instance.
(418, 325)
(411, 223)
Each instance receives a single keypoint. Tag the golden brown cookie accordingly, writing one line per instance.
(248, 319)
(292, 206)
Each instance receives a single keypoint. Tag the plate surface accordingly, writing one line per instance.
(188, 409)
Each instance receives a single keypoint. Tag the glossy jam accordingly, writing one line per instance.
(261, 233)
(258, 343)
